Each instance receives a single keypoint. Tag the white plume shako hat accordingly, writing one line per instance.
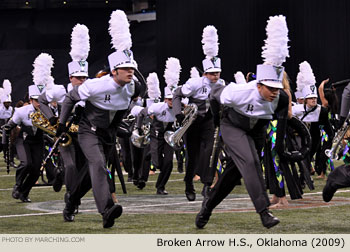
(210, 38)
(239, 77)
(80, 47)
(274, 53)
(121, 41)
(306, 81)
(5, 96)
(153, 87)
(41, 75)
(171, 76)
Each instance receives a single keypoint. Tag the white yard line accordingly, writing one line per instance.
(144, 206)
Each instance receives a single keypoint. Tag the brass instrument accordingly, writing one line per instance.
(338, 138)
(174, 138)
(140, 141)
(40, 121)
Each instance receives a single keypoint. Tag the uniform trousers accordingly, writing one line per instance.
(30, 156)
(141, 161)
(241, 148)
(126, 156)
(73, 161)
(199, 140)
(94, 149)
(166, 153)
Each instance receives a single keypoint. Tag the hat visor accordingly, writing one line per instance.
(213, 70)
(168, 96)
(35, 97)
(311, 96)
(273, 84)
(126, 65)
(80, 74)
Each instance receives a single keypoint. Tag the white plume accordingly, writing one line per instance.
(42, 69)
(119, 31)
(210, 41)
(7, 87)
(305, 76)
(276, 46)
(80, 43)
(194, 73)
(239, 77)
(172, 72)
(50, 83)
(153, 86)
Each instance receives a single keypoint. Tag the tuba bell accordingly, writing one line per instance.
(174, 138)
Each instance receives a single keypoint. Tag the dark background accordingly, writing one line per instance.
(318, 32)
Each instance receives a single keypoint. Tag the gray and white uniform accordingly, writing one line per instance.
(72, 155)
(106, 103)
(163, 120)
(29, 146)
(243, 129)
(5, 114)
(199, 137)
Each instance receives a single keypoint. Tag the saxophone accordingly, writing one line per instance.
(40, 121)
(174, 138)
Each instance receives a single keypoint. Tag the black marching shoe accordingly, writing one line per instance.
(267, 219)
(141, 184)
(190, 192)
(68, 214)
(110, 214)
(202, 217)
(13, 165)
(15, 192)
(328, 193)
(69, 210)
(24, 198)
(162, 192)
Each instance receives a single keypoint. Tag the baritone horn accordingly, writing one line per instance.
(174, 138)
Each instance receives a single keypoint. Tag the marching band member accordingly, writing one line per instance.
(106, 101)
(199, 136)
(72, 154)
(29, 144)
(6, 111)
(162, 120)
(316, 116)
(248, 108)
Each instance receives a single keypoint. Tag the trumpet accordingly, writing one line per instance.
(174, 138)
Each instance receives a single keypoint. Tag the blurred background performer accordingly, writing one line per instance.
(316, 116)
(248, 109)
(199, 137)
(107, 100)
(30, 142)
(6, 112)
